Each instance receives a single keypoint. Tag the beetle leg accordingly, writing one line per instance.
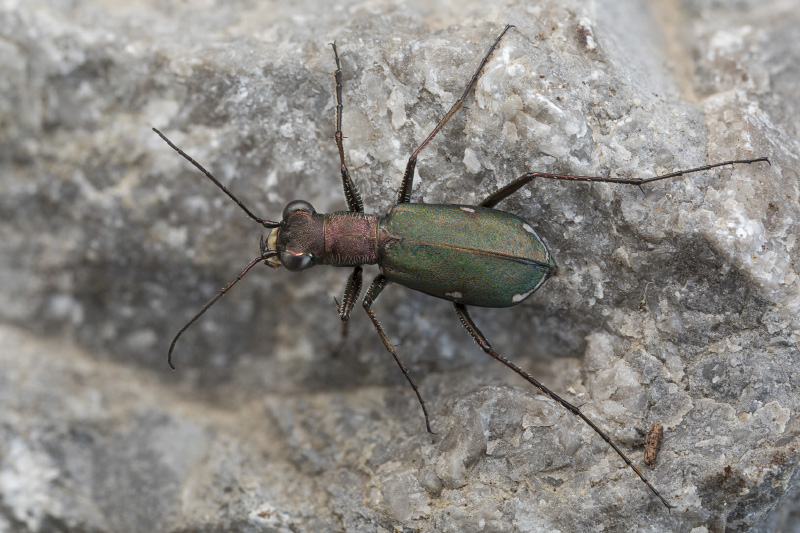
(378, 284)
(404, 194)
(352, 290)
(495, 198)
(466, 320)
(626, 181)
(351, 195)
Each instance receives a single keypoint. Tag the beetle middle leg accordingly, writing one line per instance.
(377, 286)
(466, 320)
(404, 194)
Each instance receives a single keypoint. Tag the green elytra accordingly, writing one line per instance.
(470, 255)
(466, 254)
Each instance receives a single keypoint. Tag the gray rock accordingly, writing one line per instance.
(677, 304)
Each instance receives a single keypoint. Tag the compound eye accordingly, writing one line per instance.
(295, 262)
(297, 205)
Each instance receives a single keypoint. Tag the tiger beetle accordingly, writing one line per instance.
(471, 255)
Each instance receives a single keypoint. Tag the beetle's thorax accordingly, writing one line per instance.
(338, 239)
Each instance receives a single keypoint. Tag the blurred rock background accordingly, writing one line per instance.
(677, 304)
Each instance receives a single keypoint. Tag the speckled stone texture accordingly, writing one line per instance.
(676, 304)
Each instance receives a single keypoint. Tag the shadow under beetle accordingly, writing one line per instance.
(470, 255)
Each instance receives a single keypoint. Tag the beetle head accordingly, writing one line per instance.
(297, 243)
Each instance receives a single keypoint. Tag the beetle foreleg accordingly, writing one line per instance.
(351, 195)
(378, 284)
(352, 290)
(404, 194)
(466, 320)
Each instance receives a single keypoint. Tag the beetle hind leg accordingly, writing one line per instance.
(495, 198)
(377, 286)
(466, 321)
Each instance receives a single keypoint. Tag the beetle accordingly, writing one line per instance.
(471, 255)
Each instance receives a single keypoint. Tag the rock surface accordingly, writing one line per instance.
(675, 304)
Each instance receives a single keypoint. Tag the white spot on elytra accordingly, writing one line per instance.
(527, 228)
(468, 210)
(517, 298)
(455, 294)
